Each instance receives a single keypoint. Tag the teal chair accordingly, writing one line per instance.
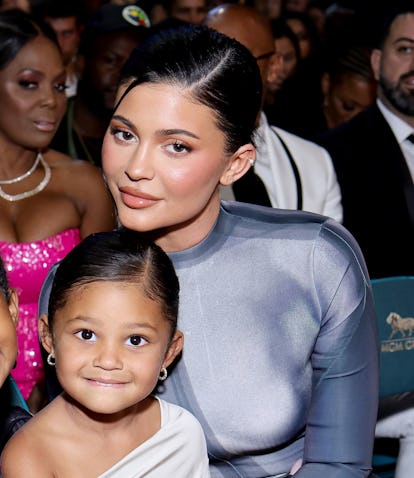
(394, 303)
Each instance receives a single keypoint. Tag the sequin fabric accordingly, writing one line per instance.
(27, 265)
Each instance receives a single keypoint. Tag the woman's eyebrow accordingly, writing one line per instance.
(125, 121)
(168, 132)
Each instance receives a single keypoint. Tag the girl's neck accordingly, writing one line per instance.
(107, 424)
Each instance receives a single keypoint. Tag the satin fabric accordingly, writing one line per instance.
(280, 360)
(177, 450)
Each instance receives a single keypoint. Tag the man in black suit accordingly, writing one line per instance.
(373, 158)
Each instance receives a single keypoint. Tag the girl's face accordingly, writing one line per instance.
(32, 95)
(164, 157)
(110, 342)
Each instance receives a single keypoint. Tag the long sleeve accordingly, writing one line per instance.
(343, 411)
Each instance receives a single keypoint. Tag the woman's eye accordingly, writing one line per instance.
(122, 135)
(86, 334)
(136, 341)
(27, 84)
(61, 87)
(178, 148)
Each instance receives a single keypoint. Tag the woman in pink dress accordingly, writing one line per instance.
(48, 201)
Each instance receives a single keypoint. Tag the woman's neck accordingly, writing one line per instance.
(188, 234)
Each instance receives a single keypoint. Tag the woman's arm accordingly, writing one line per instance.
(341, 422)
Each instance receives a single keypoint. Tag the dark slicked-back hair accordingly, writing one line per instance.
(212, 69)
(16, 29)
(118, 256)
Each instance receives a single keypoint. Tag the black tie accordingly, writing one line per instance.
(410, 138)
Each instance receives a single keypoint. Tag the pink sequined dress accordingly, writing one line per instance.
(27, 265)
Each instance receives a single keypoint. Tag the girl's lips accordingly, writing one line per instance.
(105, 383)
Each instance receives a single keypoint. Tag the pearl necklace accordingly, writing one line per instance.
(24, 175)
(43, 183)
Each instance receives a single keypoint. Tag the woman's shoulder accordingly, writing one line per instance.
(78, 178)
(322, 234)
(272, 217)
(63, 163)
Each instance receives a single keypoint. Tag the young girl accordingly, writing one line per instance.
(111, 332)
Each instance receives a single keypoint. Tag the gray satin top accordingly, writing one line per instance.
(280, 350)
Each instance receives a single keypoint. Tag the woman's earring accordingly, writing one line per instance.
(52, 361)
(252, 161)
(163, 374)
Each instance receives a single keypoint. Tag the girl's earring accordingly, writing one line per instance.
(51, 360)
(163, 374)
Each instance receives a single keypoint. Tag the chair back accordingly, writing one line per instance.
(394, 303)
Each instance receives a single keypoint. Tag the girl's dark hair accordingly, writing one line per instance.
(217, 71)
(119, 256)
(4, 283)
(16, 29)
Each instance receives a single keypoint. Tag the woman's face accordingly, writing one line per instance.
(286, 49)
(304, 39)
(164, 157)
(346, 98)
(32, 95)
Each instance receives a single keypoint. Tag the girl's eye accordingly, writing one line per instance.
(123, 135)
(178, 148)
(136, 341)
(86, 334)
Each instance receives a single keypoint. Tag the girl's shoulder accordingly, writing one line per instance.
(25, 454)
(29, 451)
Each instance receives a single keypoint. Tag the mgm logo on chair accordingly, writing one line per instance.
(402, 329)
(394, 304)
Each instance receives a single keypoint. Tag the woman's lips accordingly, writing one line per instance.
(136, 199)
(45, 125)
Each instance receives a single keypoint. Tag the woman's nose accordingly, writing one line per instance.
(139, 165)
